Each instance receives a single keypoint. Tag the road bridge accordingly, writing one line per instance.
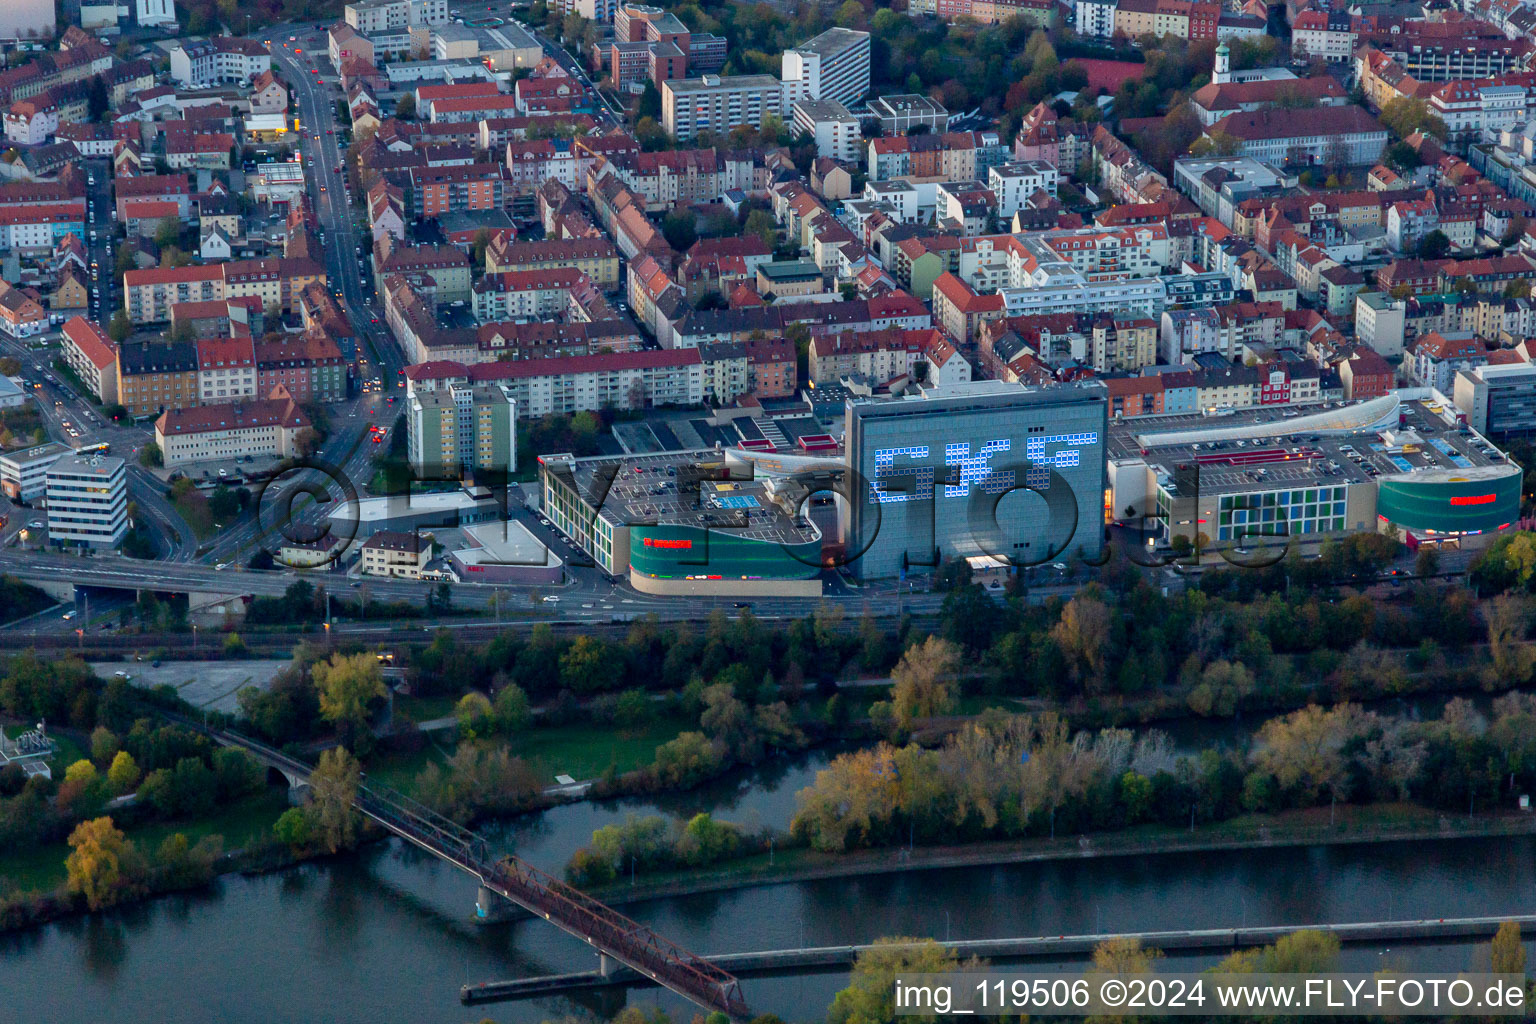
(777, 961)
(618, 940)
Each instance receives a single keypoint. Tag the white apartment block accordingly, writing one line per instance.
(1014, 183)
(718, 103)
(377, 17)
(87, 501)
(1057, 288)
(832, 66)
(232, 383)
(1096, 17)
(836, 131)
(600, 11)
(216, 61)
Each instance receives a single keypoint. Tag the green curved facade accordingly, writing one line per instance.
(678, 552)
(1455, 505)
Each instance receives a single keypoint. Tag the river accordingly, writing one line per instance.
(387, 935)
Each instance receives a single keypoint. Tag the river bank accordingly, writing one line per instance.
(1373, 824)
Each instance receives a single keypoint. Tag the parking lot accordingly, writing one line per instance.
(211, 685)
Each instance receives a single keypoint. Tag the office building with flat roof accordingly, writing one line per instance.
(984, 468)
(902, 112)
(87, 501)
(24, 473)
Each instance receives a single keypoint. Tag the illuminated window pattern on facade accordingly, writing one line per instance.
(916, 483)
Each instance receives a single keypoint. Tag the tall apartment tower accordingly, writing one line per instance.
(87, 501)
(832, 66)
(460, 428)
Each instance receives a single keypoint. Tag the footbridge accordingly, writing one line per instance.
(618, 940)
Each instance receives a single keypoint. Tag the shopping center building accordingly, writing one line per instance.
(1391, 463)
(702, 522)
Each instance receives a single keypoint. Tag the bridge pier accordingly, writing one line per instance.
(491, 906)
(606, 965)
(298, 793)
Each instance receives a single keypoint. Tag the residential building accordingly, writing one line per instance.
(718, 103)
(21, 313)
(90, 353)
(837, 133)
(226, 370)
(461, 429)
(260, 428)
(831, 66)
(153, 377)
(394, 554)
(218, 60)
(569, 384)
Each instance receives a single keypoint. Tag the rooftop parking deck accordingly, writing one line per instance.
(1254, 449)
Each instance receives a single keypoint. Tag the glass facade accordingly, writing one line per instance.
(1293, 512)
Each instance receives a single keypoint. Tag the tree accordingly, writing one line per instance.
(307, 442)
(1427, 562)
(474, 714)
(181, 333)
(10, 366)
(650, 103)
(850, 15)
(1304, 750)
(680, 228)
(295, 828)
(924, 680)
(1507, 951)
(97, 100)
(223, 505)
(512, 711)
(870, 996)
(482, 242)
(1405, 115)
(333, 784)
(650, 134)
(762, 224)
(1434, 246)
(348, 685)
(123, 775)
(168, 232)
(98, 862)
(1083, 634)
(588, 666)
(120, 327)
(1124, 957)
(150, 456)
(405, 107)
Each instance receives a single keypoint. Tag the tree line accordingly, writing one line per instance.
(1010, 776)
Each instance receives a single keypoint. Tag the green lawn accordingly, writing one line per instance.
(193, 507)
(42, 868)
(399, 771)
(424, 709)
(586, 751)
